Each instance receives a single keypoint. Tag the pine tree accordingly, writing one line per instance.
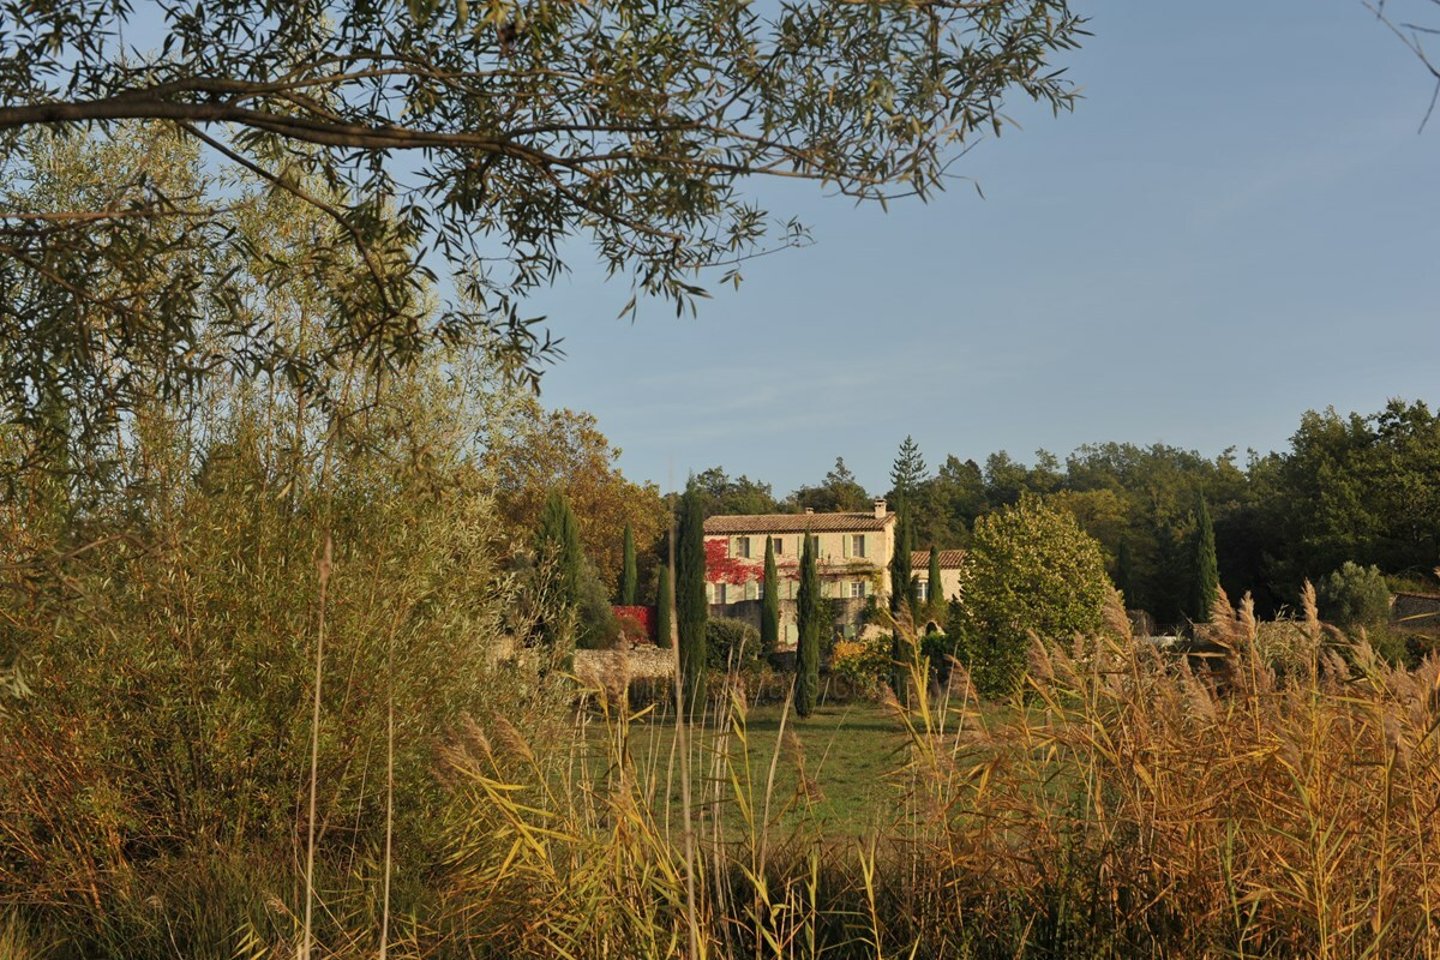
(770, 607)
(1206, 567)
(664, 607)
(559, 554)
(691, 611)
(810, 614)
(936, 600)
(628, 577)
(907, 473)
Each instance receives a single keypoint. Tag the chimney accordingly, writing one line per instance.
(879, 508)
(809, 509)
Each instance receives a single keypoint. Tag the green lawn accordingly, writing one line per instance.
(846, 753)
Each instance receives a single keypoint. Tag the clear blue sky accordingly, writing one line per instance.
(1239, 222)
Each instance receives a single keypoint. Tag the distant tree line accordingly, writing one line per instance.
(1358, 488)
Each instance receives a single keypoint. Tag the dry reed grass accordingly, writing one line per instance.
(1127, 805)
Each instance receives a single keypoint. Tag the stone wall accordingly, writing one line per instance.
(614, 669)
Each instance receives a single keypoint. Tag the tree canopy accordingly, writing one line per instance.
(1030, 570)
(478, 142)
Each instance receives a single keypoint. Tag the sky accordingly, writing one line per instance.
(1239, 222)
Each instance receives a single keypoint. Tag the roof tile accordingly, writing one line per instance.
(796, 522)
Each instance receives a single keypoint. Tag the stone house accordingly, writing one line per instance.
(854, 559)
(950, 564)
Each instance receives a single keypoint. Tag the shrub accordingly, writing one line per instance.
(596, 626)
(731, 644)
(157, 766)
(1354, 596)
(632, 630)
(1030, 569)
(862, 664)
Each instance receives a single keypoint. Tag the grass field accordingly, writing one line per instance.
(832, 773)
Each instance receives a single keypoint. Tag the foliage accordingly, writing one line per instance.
(1355, 596)
(632, 631)
(721, 495)
(839, 492)
(770, 605)
(532, 452)
(1124, 572)
(1360, 488)
(491, 137)
(902, 600)
(947, 504)
(907, 473)
(576, 604)
(665, 607)
(863, 663)
(629, 576)
(560, 566)
(936, 602)
(1363, 489)
(156, 773)
(1206, 575)
(731, 644)
(1030, 570)
(810, 619)
(691, 609)
(902, 580)
(1058, 830)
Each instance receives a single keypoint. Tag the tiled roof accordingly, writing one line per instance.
(949, 559)
(796, 522)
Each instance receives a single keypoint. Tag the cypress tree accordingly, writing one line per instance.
(902, 597)
(936, 600)
(1125, 573)
(807, 651)
(558, 550)
(691, 612)
(628, 579)
(1206, 569)
(664, 608)
(770, 607)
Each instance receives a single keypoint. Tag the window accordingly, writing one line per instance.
(719, 593)
(857, 588)
(922, 590)
(777, 543)
(742, 547)
(857, 544)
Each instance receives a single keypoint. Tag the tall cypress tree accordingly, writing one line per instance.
(936, 600)
(1125, 574)
(628, 578)
(691, 612)
(902, 597)
(558, 550)
(664, 607)
(770, 607)
(1206, 567)
(810, 614)
(902, 583)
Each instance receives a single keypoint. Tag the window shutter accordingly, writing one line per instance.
(845, 545)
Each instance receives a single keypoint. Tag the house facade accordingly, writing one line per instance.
(950, 563)
(853, 562)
